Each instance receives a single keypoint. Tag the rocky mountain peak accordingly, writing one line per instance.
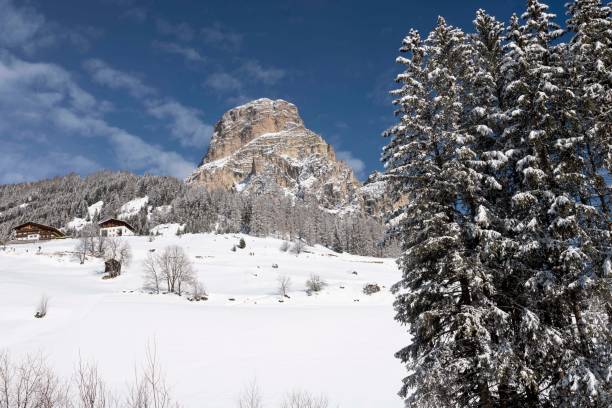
(264, 145)
(242, 124)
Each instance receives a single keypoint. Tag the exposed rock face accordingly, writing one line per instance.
(378, 200)
(374, 193)
(264, 145)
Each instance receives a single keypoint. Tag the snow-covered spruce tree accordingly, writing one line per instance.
(445, 291)
(589, 65)
(551, 259)
(536, 346)
(579, 222)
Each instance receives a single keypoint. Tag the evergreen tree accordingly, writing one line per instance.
(589, 54)
(505, 232)
(443, 294)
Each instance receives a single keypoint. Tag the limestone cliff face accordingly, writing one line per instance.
(264, 145)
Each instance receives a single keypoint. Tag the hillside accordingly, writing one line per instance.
(211, 350)
(73, 202)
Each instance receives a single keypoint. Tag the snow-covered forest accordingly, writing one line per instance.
(502, 146)
(57, 201)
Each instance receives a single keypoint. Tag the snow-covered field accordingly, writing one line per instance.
(339, 342)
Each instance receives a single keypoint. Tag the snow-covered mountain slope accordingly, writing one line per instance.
(264, 145)
(210, 350)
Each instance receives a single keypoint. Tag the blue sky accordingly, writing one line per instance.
(138, 84)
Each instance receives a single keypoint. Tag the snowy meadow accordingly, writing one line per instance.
(338, 342)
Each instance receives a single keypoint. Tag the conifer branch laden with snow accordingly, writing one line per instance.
(500, 149)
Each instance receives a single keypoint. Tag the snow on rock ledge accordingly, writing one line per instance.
(264, 145)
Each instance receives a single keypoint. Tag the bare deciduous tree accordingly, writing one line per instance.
(149, 389)
(91, 389)
(153, 275)
(303, 399)
(82, 249)
(89, 233)
(117, 249)
(251, 396)
(98, 245)
(176, 267)
(284, 285)
(172, 266)
(30, 384)
(298, 247)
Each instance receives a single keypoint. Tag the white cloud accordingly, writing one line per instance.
(19, 27)
(231, 83)
(190, 54)
(103, 74)
(43, 98)
(267, 75)
(186, 124)
(354, 163)
(223, 82)
(16, 164)
(239, 100)
(221, 37)
(133, 152)
(25, 29)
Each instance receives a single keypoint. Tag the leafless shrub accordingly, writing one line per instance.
(371, 288)
(303, 399)
(198, 291)
(98, 245)
(91, 391)
(89, 233)
(315, 283)
(41, 309)
(82, 249)
(284, 246)
(251, 397)
(298, 247)
(149, 389)
(117, 249)
(30, 384)
(284, 285)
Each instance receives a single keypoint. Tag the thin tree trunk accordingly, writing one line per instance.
(532, 395)
(466, 297)
(485, 395)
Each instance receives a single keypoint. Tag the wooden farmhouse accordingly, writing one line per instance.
(115, 228)
(31, 231)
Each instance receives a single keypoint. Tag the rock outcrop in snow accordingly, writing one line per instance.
(264, 145)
